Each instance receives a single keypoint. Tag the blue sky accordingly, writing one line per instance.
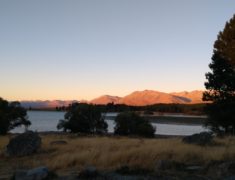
(82, 49)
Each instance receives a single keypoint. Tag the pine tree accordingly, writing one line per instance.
(225, 43)
(220, 82)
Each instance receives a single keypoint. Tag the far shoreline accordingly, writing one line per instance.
(161, 118)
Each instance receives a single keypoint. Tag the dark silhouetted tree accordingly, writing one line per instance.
(11, 116)
(130, 123)
(220, 82)
(83, 118)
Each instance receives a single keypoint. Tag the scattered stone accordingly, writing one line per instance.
(39, 173)
(68, 177)
(164, 165)
(194, 169)
(227, 168)
(123, 170)
(230, 178)
(58, 143)
(19, 175)
(195, 177)
(117, 176)
(126, 170)
(221, 169)
(24, 144)
(89, 172)
(202, 139)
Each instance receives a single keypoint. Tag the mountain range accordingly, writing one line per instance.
(137, 98)
(46, 104)
(149, 97)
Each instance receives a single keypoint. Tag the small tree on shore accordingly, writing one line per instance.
(130, 123)
(11, 116)
(220, 83)
(83, 118)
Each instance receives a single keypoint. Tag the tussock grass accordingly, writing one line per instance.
(110, 153)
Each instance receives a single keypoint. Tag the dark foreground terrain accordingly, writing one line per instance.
(65, 156)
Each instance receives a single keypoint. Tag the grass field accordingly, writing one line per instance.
(108, 153)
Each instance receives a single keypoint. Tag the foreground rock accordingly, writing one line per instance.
(24, 144)
(164, 165)
(202, 139)
(165, 170)
(39, 173)
(89, 173)
(222, 169)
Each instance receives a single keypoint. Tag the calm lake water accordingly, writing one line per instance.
(47, 121)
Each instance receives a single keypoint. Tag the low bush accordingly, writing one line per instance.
(130, 123)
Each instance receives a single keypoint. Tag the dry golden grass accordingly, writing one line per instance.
(110, 153)
(3, 141)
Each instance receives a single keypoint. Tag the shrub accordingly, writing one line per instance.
(83, 118)
(11, 116)
(130, 123)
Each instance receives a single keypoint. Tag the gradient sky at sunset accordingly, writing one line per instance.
(73, 49)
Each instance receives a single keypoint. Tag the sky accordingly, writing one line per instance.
(81, 49)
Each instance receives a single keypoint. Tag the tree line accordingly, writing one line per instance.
(88, 119)
(195, 109)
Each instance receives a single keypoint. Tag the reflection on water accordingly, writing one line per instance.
(47, 121)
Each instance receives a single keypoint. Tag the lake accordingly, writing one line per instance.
(48, 120)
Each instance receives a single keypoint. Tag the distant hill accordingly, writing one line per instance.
(106, 99)
(45, 104)
(194, 96)
(148, 97)
(137, 98)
